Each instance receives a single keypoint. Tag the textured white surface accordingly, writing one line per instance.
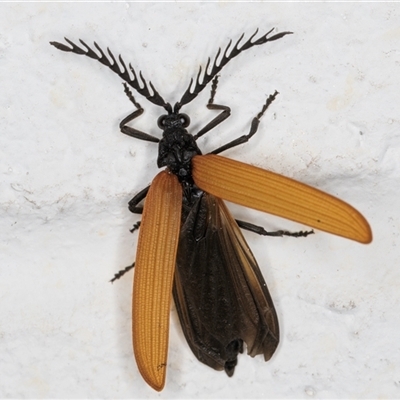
(67, 174)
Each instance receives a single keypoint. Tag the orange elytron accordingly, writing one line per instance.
(189, 244)
(154, 275)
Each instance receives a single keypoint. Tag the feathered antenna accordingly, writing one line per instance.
(139, 85)
(201, 82)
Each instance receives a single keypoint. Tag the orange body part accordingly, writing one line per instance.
(276, 194)
(154, 274)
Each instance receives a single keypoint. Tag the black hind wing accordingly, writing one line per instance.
(220, 295)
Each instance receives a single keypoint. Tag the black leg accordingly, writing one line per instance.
(122, 272)
(135, 227)
(261, 231)
(226, 111)
(127, 130)
(253, 128)
(137, 210)
(132, 205)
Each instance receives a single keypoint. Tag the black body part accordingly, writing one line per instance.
(261, 231)
(140, 85)
(176, 148)
(253, 128)
(139, 111)
(219, 62)
(121, 273)
(225, 111)
(133, 204)
(220, 295)
(135, 227)
(128, 75)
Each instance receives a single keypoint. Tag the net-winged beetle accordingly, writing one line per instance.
(190, 244)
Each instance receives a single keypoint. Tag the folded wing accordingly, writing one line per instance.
(220, 295)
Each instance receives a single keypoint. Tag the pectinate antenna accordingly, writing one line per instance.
(138, 83)
(203, 80)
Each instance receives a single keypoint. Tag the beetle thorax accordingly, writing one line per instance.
(176, 150)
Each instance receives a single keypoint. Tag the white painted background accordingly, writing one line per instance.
(67, 174)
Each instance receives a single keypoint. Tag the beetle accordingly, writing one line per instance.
(189, 243)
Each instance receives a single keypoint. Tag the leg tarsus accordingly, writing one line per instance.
(214, 86)
(239, 140)
(122, 272)
(135, 227)
(270, 99)
(261, 231)
(253, 128)
(226, 111)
